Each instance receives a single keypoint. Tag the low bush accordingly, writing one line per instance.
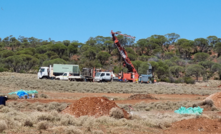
(189, 80)
(116, 113)
(45, 116)
(42, 125)
(40, 108)
(28, 123)
(73, 130)
(3, 125)
(208, 102)
(44, 96)
(2, 69)
(97, 132)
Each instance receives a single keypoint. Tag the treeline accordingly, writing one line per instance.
(174, 59)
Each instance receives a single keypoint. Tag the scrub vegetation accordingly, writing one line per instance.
(174, 59)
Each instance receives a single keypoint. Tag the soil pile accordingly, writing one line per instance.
(92, 106)
(141, 96)
(216, 98)
(196, 125)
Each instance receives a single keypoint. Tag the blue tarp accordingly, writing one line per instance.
(190, 110)
(21, 94)
(26, 91)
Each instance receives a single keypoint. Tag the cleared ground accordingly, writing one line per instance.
(153, 114)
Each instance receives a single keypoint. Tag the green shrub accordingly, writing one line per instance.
(179, 80)
(22, 71)
(2, 69)
(165, 80)
(189, 80)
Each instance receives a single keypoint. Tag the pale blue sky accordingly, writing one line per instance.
(80, 19)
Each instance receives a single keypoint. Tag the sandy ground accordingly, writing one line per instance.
(110, 90)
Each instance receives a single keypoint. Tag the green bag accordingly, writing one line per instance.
(190, 110)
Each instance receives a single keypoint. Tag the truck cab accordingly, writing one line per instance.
(146, 78)
(103, 76)
(43, 72)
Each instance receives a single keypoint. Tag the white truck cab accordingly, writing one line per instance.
(103, 76)
(43, 73)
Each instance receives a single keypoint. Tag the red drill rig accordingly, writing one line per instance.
(132, 74)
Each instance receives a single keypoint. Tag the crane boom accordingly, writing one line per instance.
(132, 74)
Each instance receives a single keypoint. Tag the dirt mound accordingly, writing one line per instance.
(92, 106)
(141, 96)
(216, 98)
(196, 125)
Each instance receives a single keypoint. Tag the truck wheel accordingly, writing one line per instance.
(57, 79)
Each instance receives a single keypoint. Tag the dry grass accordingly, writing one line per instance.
(168, 105)
(21, 117)
(46, 107)
(45, 121)
(15, 81)
(73, 130)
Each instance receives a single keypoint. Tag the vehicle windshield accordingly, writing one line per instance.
(98, 74)
(41, 70)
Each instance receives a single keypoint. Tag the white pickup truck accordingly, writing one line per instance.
(103, 76)
(69, 77)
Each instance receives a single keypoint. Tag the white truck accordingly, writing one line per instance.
(46, 73)
(104, 76)
(57, 70)
(70, 77)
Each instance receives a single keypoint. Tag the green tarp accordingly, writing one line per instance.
(190, 110)
(26, 91)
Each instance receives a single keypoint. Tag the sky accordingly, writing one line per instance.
(81, 19)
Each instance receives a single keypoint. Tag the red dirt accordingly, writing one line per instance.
(141, 96)
(216, 98)
(92, 106)
(195, 126)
